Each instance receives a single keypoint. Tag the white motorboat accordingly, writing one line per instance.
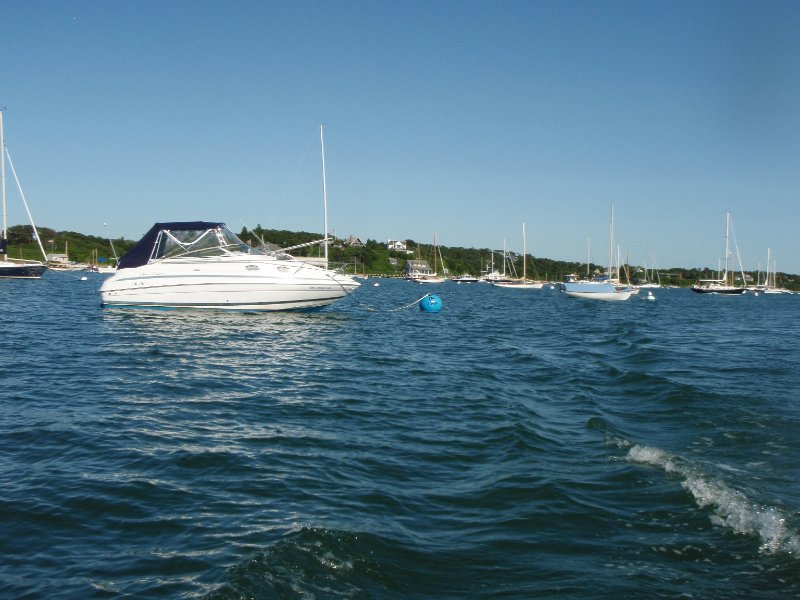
(465, 278)
(205, 265)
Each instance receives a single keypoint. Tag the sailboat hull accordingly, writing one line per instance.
(23, 271)
(596, 290)
(519, 285)
(727, 290)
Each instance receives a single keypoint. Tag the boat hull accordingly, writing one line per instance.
(21, 271)
(221, 284)
(596, 290)
(516, 285)
(726, 290)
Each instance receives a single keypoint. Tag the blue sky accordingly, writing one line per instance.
(464, 118)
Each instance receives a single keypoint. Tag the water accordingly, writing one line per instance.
(515, 445)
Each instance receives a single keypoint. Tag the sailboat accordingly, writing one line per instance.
(492, 275)
(649, 281)
(433, 277)
(521, 284)
(105, 268)
(723, 285)
(770, 285)
(12, 268)
(603, 288)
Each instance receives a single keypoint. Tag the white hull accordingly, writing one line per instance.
(607, 296)
(251, 283)
(518, 285)
(596, 290)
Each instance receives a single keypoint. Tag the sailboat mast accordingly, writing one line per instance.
(324, 193)
(3, 242)
(524, 252)
(727, 246)
(588, 255)
(434, 254)
(769, 283)
(611, 245)
(25, 204)
(504, 257)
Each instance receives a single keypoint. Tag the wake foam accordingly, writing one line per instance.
(731, 508)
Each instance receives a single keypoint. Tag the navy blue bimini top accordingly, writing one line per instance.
(140, 254)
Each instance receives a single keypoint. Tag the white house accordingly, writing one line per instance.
(398, 246)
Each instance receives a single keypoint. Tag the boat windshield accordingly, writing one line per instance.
(219, 241)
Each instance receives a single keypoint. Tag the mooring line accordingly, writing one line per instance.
(371, 309)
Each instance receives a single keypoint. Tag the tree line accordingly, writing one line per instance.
(370, 258)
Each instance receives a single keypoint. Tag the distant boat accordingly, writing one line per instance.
(494, 276)
(601, 288)
(465, 278)
(433, 276)
(649, 282)
(770, 285)
(14, 268)
(723, 285)
(109, 268)
(521, 284)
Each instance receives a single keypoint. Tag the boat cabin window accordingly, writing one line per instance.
(198, 242)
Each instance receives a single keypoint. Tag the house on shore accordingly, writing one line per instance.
(415, 269)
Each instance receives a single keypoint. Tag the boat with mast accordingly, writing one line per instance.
(15, 268)
(490, 274)
(200, 264)
(606, 288)
(770, 285)
(434, 276)
(724, 284)
(653, 280)
(524, 283)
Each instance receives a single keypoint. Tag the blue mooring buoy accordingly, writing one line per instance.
(431, 303)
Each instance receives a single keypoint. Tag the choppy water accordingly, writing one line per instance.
(514, 445)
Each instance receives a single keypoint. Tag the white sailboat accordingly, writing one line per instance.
(105, 268)
(433, 277)
(723, 285)
(770, 285)
(13, 268)
(607, 288)
(492, 275)
(653, 280)
(524, 283)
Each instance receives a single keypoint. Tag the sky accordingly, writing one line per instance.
(460, 118)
